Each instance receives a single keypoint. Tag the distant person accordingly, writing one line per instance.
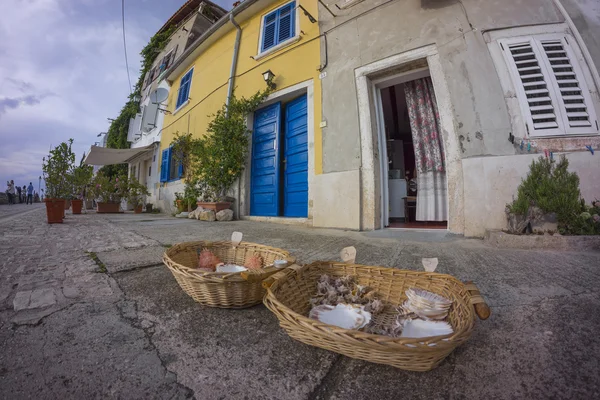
(10, 191)
(30, 194)
(24, 191)
(19, 194)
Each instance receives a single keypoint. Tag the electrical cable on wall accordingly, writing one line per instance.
(124, 42)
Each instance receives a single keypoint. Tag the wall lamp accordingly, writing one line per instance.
(268, 76)
(100, 134)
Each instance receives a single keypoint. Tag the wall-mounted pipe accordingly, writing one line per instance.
(236, 50)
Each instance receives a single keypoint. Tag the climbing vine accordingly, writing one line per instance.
(117, 132)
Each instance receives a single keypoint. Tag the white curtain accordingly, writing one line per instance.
(432, 196)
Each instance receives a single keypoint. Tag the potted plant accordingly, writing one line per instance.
(109, 192)
(136, 195)
(178, 202)
(55, 168)
(81, 177)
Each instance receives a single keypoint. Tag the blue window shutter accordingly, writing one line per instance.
(269, 28)
(184, 88)
(286, 22)
(180, 169)
(164, 166)
(169, 160)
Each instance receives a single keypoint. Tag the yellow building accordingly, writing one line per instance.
(277, 36)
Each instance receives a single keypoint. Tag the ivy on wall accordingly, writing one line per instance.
(117, 132)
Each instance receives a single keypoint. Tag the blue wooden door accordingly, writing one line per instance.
(295, 200)
(264, 190)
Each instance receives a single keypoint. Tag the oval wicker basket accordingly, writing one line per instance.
(288, 297)
(217, 289)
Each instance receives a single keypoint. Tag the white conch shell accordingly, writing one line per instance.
(347, 316)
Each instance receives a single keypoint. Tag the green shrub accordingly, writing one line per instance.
(552, 188)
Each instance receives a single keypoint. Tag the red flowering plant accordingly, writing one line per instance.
(109, 190)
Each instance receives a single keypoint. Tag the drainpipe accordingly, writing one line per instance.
(236, 50)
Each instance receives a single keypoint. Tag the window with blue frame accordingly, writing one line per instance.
(170, 168)
(279, 26)
(184, 89)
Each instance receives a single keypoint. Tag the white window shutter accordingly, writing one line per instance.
(534, 88)
(553, 95)
(570, 87)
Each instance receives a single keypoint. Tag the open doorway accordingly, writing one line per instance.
(414, 186)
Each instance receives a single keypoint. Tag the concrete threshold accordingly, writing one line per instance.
(281, 220)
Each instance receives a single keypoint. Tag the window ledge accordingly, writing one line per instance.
(180, 107)
(276, 48)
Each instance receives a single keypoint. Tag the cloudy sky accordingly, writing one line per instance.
(62, 73)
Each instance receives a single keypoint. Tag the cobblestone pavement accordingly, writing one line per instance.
(70, 330)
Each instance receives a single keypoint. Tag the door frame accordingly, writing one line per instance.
(244, 183)
(379, 84)
(370, 171)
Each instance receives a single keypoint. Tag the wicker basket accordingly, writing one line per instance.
(288, 297)
(225, 290)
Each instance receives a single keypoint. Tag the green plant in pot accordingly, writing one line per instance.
(178, 202)
(56, 167)
(109, 192)
(136, 195)
(81, 177)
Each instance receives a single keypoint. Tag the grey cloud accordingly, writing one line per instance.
(20, 85)
(12, 103)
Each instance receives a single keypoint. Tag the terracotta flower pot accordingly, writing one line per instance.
(138, 209)
(216, 207)
(77, 206)
(108, 208)
(55, 209)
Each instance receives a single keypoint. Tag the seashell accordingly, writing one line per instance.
(206, 259)
(426, 305)
(230, 268)
(417, 328)
(253, 261)
(346, 316)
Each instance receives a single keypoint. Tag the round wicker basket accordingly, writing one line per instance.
(225, 290)
(288, 297)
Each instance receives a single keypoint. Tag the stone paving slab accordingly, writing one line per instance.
(123, 260)
(32, 299)
(220, 353)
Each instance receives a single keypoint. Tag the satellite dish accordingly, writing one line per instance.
(159, 95)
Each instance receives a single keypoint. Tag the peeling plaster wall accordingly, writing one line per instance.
(372, 31)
